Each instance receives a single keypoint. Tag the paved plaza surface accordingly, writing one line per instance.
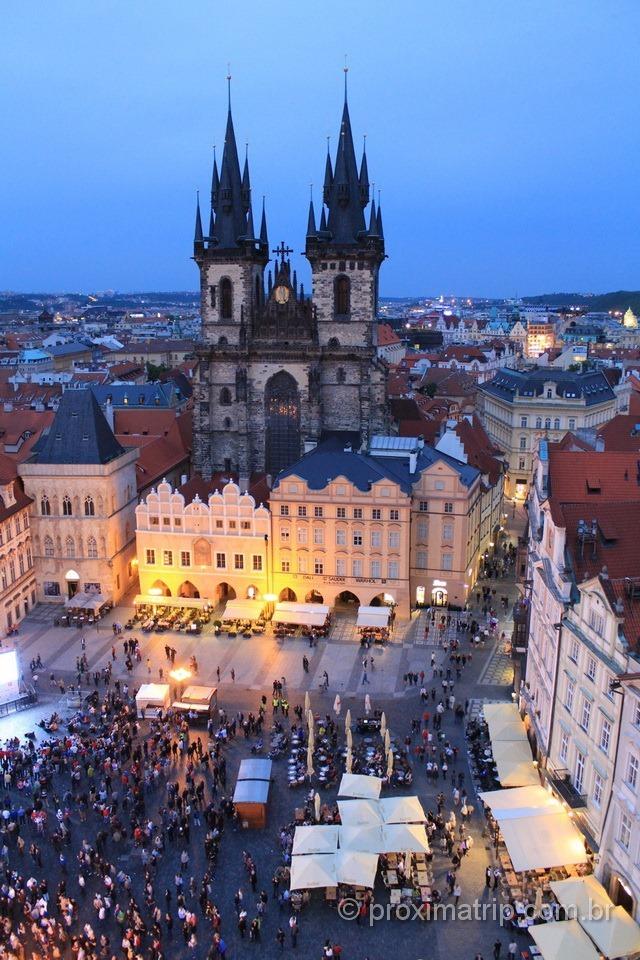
(257, 662)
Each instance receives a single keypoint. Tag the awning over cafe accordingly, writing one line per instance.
(243, 610)
(373, 616)
(562, 939)
(514, 762)
(611, 928)
(358, 785)
(301, 614)
(188, 603)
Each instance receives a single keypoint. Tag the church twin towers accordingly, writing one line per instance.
(277, 370)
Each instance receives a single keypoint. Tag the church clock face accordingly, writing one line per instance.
(281, 294)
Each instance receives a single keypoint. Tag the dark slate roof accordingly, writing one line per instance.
(329, 460)
(591, 385)
(79, 433)
(138, 394)
(68, 349)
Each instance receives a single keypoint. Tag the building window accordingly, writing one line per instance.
(596, 621)
(447, 561)
(342, 296)
(598, 784)
(226, 299)
(225, 397)
(357, 513)
(538, 423)
(357, 539)
(302, 511)
(341, 513)
(556, 423)
(70, 549)
(624, 830)
(341, 538)
(423, 506)
(318, 567)
(423, 531)
(185, 558)
(421, 560)
(394, 514)
(301, 534)
(151, 557)
(219, 524)
(341, 375)
(574, 650)
(318, 535)
(448, 508)
(521, 463)
(393, 568)
(284, 509)
(548, 394)
(48, 547)
(67, 510)
(221, 561)
(92, 548)
(523, 443)
(285, 566)
(318, 512)
(376, 514)
(376, 539)
(51, 588)
(45, 507)
(592, 668)
(394, 540)
(547, 423)
(579, 771)
(167, 558)
(356, 568)
(523, 422)
(447, 531)
(636, 714)
(285, 533)
(564, 746)
(569, 694)
(89, 507)
(631, 776)
(572, 423)
(376, 569)
(302, 563)
(256, 563)
(244, 524)
(238, 561)
(341, 567)
(585, 717)
(605, 735)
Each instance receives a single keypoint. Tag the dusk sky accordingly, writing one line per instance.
(503, 135)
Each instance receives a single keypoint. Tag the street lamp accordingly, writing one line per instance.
(180, 675)
(271, 599)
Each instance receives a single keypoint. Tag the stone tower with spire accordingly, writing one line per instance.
(278, 370)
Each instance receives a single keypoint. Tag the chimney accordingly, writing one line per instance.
(604, 573)
(183, 479)
(420, 442)
(108, 412)
(413, 461)
(599, 447)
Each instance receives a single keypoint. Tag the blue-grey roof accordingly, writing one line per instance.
(66, 349)
(329, 460)
(79, 433)
(137, 394)
(591, 385)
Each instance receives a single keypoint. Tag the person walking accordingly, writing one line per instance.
(280, 937)
(513, 950)
(365, 678)
(497, 949)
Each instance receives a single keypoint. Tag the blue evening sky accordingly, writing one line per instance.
(503, 135)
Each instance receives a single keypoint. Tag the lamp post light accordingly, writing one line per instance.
(271, 599)
(180, 675)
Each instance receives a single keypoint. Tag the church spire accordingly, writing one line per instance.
(364, 177)
(264, 237)
(311, 222)
(215, 182)
(198, 237)
(328, 177)
(346, 218)
(246, 181)
(231, 206)
(373, 220)
(379, 221)
(251, 231)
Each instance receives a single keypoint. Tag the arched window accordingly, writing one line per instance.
(334, 343)
(48, 547)
(92, 548)
(547, 423)
(556, 423)
(222, 342)
(45, 507)
(67, 509)
(70, 548)
(225, 397)
(226, 299)
(538, 423)
(89, 507)
(282, 420)
(227, 423)
(342, 297)
(341, 375)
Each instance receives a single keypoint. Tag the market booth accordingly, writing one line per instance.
(251, 794)
(197, 703)
(301, 614)
(154, 696)
(373, 624)
(243, 610)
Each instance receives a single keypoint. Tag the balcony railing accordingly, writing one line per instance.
(560, 780)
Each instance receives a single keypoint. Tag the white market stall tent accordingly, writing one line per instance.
(373, 616)
(197, 699)
(514, 763)
(563, 939)
(152, 695)
(243, 610)
(301, 614)
(504, 722)
(360, 786)
(520, 802)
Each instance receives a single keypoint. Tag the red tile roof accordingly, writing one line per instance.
(621, 433)
(387, 335)
(204, 488)
(480, 451)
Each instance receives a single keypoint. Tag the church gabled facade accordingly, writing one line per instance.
(277, 370)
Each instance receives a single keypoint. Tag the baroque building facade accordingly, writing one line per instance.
(278, 370)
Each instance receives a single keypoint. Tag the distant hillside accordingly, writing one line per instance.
(598, 302)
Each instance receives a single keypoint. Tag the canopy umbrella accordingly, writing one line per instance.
(562, 939)
(389, 763)
(349, 761)
(315, 839)
(387, 740)
(383, 725)
(316, 805)
(307, 702)
(356, 868)
(408, 837)
(349, 739)
(347, 720)
(354, 813)
(337, 705)
(537, 904)
(616, 934)
(359, 785)
(310, 770)
(402, 810)
(313, 870)
(611, 928)
(310, 719)
(362, 838)
(367, 704)
(311, 738)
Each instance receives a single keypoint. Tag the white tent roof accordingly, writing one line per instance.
(357, 785)
(354, 813)
(579, 894)
(362, 838)
(303, 614)
(611, 928)
(616, 935)
(515, 763)
(504, 722)
(531, 801)
(313, 870)
(373, 616)
(356, 867)
(315, 839)
(562, 939)
(405, 837)
(243, 610)
(195, 603)
(199, 694)
(546, 841)
(153, 693)
(402, 810)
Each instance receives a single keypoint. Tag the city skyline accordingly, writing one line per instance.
(496, 152)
